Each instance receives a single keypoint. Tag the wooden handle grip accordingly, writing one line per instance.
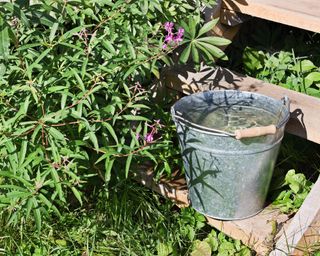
(255, 131)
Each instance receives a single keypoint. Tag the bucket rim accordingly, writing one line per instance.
(177, 115)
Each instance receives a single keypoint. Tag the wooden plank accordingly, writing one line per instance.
(258, 232)
(304, 229)
(298, 13)
(305, 117)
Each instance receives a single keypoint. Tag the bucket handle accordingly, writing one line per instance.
(264, 130)
(243, 133)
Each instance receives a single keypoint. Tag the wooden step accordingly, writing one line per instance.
(305, 117)
(298, 13)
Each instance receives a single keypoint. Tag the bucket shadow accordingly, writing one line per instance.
(199, 169)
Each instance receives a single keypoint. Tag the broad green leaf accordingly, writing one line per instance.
(304, 66)
(195, 54)
(207, 27)
(215, 51)
(312, 78)
(185, 54)
(214, 40)
(201, 249)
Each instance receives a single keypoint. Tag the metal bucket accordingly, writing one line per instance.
(228, 175)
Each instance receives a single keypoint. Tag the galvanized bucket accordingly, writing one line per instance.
(228, 174)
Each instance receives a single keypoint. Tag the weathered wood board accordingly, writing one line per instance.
(298, 13)
(258, 232)
(305, 110)
(304, 229)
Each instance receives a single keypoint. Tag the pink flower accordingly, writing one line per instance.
(179, 36)
(168, 26)
(149, 137)
(168, 38)
(172, 39)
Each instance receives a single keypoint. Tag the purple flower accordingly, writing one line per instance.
(149, 137)
(179, 36)
(168, 26)
(168, 38)
(138, 136)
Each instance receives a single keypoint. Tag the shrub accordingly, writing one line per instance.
(74, 104)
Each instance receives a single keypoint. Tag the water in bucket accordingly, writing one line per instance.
(232, 118)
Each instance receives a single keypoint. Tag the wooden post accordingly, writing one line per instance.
(304, 229)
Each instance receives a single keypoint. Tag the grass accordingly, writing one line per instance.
(129, 219)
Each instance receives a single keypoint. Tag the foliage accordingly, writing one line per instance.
(219, 244)
(296, 190)
(284, 69)
(199, 46)
(74, 105)
(126, 220)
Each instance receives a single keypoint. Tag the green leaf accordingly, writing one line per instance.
(23, 151)
(128, 164)
(208, 26)
(55, 133)
(37, 214)
(111, 131)
(36, 62)
(53, 31)
(108, 167)
(215, 51)
(4, 40)
(195, 54)
(49, 204)
(77, 194)
(192, 27)
(202, 249)
(312, 78)
(107, 44)
(134, 118)
(57, 184)
(94, 140)
(214, 40)
(185, 54)
(304, 66)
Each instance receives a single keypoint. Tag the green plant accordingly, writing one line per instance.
(294, 189)
(127, 219)
(283, 68)
(200, 46)
(219, 244)
(74, 105)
